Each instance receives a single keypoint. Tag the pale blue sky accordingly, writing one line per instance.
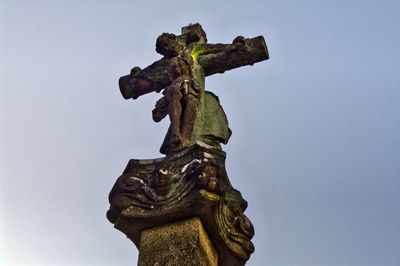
(316, 130)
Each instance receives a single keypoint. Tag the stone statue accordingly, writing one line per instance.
(191, 180)
(195, 114)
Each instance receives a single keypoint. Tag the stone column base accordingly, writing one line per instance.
(180, 243)
(191, 183)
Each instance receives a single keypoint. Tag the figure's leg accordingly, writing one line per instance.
(175, 111)
(189, 118)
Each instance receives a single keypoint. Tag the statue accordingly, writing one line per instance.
(195, 114)
(191, 180)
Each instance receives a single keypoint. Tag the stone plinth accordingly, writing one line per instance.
(191, 183)
(181, 243)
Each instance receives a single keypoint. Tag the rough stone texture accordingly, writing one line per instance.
(192, 183)
(191, 180)
(180, 75)
(181, 243)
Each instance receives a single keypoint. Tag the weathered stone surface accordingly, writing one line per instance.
(180, 75)
(190, 183)
(153, 197)
(181, 243)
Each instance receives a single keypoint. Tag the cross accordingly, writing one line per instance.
(195, 114)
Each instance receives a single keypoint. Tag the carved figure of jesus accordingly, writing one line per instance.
(195, 114)
(181, 98)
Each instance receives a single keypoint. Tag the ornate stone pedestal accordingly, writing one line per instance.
(191, 183)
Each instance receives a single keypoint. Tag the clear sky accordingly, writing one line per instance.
(316, 129)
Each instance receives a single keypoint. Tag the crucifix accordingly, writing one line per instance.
(182, 209)
(195, 114)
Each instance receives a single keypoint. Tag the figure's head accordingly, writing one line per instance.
(168, 45)
(194, 33)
